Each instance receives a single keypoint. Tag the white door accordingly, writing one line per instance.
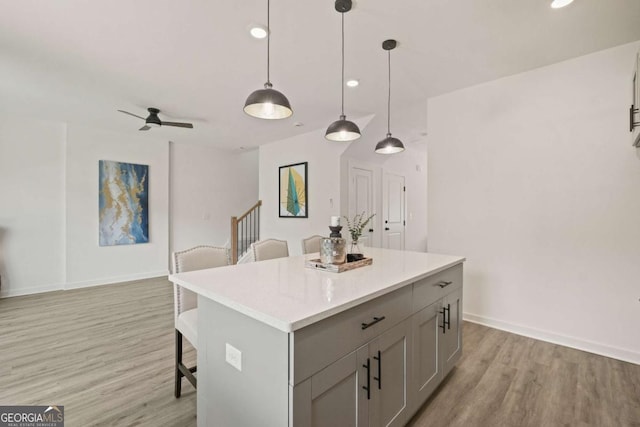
(361, 200)
(393, 203)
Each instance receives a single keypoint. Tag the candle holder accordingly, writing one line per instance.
(335, 231)
(333, 249)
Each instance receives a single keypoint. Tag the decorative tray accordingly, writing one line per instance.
(338, 268)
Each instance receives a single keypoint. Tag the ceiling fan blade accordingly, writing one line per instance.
(178, 125)
(145, 127)
(131, 114)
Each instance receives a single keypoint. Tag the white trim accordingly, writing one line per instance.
(567, 341)
(77, 285)
(117, 279)
(30, 291)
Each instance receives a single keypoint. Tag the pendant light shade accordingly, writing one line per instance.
(268, 103)
(342, 129)
(389, 145)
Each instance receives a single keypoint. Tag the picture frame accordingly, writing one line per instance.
(293, 197)
(123, 203)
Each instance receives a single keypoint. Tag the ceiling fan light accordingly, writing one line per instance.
(268, 104)
(153, 124)
(389, 145)
(342, 130)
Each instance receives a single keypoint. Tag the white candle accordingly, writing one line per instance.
(335, 221)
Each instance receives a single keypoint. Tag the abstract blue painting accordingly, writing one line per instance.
(123, 203)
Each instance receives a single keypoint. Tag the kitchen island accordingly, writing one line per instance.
(284, 345)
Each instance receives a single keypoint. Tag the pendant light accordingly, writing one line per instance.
(342, 130)
(389, 145)
(268, 103)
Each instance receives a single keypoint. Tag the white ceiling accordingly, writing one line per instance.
(79, 61)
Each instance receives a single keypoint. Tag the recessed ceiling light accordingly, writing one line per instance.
(557, 4)
(353, 83)
(258, 31)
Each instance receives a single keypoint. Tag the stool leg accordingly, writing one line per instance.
(178, 387)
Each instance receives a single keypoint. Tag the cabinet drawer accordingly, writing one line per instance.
(432, 288)
(318, 345)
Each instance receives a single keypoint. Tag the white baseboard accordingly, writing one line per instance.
(30, 291)
(77, 285)
(116, 279)
(572, 342)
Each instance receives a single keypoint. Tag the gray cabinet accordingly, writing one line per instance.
(437, 343)
(389, 355)
(451, 338)
(373, 364)
(335, 396)
(426, 372)
(436, 333)
(367, 387)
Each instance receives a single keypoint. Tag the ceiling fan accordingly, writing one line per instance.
(154, 121)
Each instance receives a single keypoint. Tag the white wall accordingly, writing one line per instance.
(533, 179)
(87, 262)
(208, 187)
(323, 186)
(49, 209)
(31, 205)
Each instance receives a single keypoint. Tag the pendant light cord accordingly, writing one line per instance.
(268, 40)
(389, 98)
(342, 86)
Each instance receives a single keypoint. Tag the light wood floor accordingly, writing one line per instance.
(106, 354)
(504, 379)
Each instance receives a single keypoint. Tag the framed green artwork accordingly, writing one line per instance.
(292, 181)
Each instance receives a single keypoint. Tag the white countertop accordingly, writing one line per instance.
(283, 293)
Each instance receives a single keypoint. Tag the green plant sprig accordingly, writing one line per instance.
(357, 225)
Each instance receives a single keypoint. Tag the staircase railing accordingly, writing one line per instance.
(245, 230)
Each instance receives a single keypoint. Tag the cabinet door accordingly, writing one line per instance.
(389, 355)
(335, 396)
(426, 366)
(451, 340)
